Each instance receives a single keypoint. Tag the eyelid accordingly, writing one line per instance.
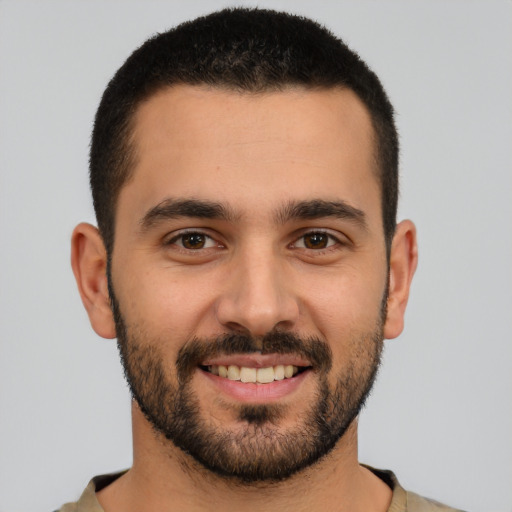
(338, 238)
(172, 238)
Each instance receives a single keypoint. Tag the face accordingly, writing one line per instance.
(249, 274)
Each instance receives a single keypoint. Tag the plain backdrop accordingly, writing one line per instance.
(440, 415)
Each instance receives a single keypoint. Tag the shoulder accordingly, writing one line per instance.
(417, 503)
(87, 501)
(406, 501)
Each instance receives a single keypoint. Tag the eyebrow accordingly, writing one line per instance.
(319, 208)
(294, 210)
(176, 208)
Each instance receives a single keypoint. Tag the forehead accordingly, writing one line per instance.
(251, 150)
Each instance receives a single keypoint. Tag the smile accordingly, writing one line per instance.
(256, 377)
(247, 374)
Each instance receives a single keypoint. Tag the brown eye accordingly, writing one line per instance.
(193, 241)
(316, 240)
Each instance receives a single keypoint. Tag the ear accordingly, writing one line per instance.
(402, 265)
(89, 263)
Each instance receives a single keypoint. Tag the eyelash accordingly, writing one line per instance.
(183, 234)
(332, 241)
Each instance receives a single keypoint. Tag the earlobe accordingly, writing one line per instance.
(402, 265)
(89, 263)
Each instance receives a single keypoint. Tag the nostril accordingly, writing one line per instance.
(256, 305)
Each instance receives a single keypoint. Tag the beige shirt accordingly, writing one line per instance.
(402, 501)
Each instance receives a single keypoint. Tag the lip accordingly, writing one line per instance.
(257, 360)
(256, 393)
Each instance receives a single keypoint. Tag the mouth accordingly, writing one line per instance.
(257, 375)
(256, 378)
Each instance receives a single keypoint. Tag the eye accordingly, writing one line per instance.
(316, 240)
(193, 241)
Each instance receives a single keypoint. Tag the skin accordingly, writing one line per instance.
(253, 154)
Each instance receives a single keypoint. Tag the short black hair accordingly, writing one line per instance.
(240, 49)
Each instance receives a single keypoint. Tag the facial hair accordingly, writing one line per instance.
(261, 451)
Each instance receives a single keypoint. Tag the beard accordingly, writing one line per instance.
(258, 450)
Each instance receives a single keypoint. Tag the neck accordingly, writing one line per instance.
(164, 478)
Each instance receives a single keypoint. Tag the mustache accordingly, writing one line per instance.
(194, 352)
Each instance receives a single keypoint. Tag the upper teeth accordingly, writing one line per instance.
(248, 374)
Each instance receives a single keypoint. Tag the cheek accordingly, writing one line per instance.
(168, 306)
(345, 302)
(346, 312)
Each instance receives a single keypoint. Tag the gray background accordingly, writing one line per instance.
(440, 415)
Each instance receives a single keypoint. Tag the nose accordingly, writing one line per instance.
(258, 296)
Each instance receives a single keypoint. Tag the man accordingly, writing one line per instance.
(244, 175)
